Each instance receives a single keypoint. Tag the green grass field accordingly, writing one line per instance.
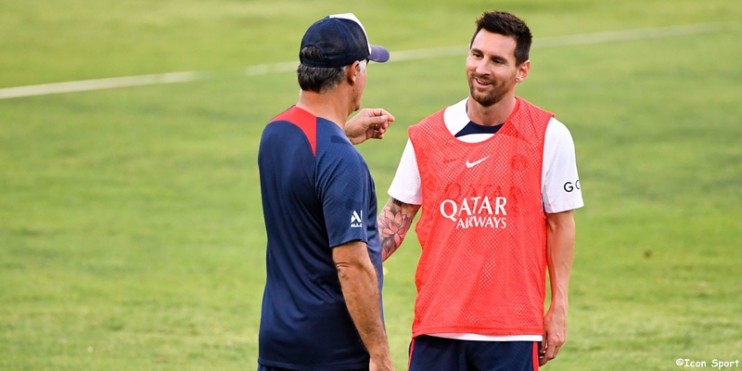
(131, 233)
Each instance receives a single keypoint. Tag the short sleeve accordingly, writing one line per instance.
(561, 183)
(344, 186)
(406, 186)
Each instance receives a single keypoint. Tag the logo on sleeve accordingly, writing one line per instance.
(356, 220)
(570, 187)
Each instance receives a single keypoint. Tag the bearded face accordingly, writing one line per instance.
(486, 90)
(491, 68)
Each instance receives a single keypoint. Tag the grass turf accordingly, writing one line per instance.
(131, 232)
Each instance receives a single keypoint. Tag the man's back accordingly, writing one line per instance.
(317, 193)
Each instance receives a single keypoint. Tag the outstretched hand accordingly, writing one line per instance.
(368, 123)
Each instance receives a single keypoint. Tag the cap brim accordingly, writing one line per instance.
(378, 54)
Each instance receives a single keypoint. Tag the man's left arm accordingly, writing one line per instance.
(560, 244)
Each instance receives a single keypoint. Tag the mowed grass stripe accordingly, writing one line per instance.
(264, 69)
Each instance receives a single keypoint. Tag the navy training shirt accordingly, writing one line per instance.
(317, 193)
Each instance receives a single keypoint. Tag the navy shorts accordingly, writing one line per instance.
(268, 368)
(429, 353)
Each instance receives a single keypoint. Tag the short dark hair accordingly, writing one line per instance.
(317, 79)
(507, 24)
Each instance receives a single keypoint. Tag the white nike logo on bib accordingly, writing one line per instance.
(470, 165)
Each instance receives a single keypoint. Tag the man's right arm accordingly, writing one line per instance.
(394, 221)
(359, 284)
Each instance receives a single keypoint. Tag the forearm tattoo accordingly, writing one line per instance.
(394, 222)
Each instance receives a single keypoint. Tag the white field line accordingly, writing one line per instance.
(582, 39)
(100, 84)
(265, 69)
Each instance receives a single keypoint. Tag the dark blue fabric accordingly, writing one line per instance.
(474, 128)
(429, 353)
(311, 204)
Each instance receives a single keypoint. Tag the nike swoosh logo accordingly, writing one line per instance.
(470, 165)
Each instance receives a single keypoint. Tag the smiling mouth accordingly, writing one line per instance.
(483, 82)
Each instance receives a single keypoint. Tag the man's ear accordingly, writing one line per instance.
(523, 70)
(352, 72)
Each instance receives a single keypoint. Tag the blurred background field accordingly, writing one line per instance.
(131, 234)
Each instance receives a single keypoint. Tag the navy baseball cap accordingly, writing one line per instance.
(342, 40)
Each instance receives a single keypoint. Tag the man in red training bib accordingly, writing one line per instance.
(496, 179)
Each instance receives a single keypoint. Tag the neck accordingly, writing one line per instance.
(332, 105)
(495, 114)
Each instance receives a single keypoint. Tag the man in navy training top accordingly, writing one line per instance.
(322, 306)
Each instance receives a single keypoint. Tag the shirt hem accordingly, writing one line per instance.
(480, 337)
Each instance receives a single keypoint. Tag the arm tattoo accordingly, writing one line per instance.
(394, 222)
